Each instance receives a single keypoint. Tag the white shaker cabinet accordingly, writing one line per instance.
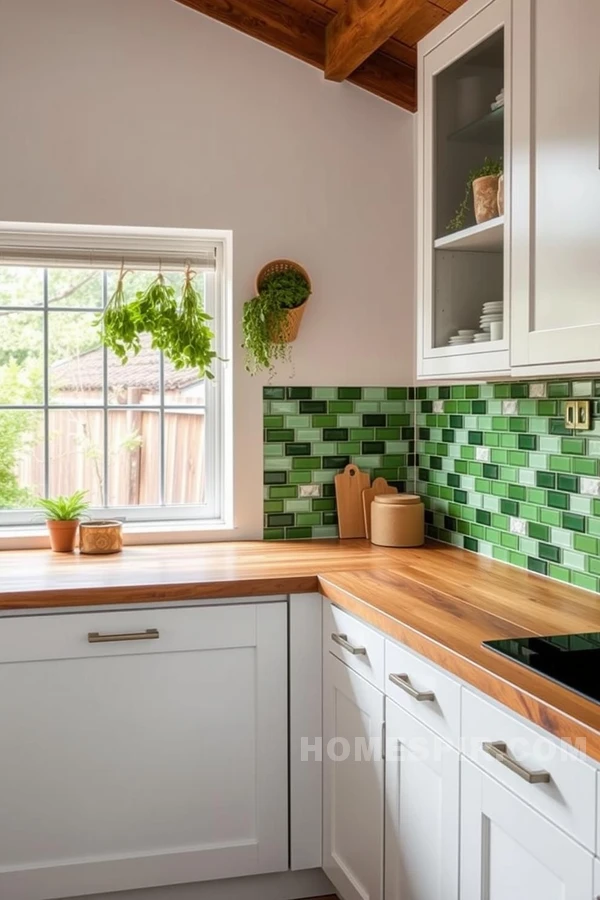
(422, 811)
(353, 782)
(510, 852)
(556, 186)
(142, 747)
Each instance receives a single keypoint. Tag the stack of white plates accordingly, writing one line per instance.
(481, 337)
(464, 336)
(492, 313)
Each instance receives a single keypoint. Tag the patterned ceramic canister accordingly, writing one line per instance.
(101, 537)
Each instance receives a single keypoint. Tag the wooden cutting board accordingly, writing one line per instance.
(349, 487)
(379, 486)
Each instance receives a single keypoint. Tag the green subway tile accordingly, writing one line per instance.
(475, 468)
(483, 517)
(279, 435)
(478, 531)
(273, 421)
(527, 407)
(324, 393)
(323, 504)
(586, 544)
(273, 449)
(283, 492)
(508, 440)
(500, 521)
(558, 501)
(341, 406)
(324, 448)
(490, 470)
(284, 407)
(550, 517)
(330, 518)
(509, 507)
(312, 518)
(499, 488)
(483, 486)
(387, 434)
(581, 505)
(472, 391)
(535, 495)
(519, 389)
(362, 434)
(502, 390)
(280, 520)
(306, 462)
(499, 423)
(549, 553)
(517, 423)
(574, 446)
(493, 536)
(393, 459)
(539, 566)
(349, 421)
(588, 467)
(557, 426)
(298, 449)
(567, 483)
(517, 492)
(594, 526)
(374, 393)
(526, 442)
(308, 434)
(335, 462)
(538, 426)
(529, 511)
(511, 541)
(518, 559)
(559, 463)
(324, 421)
(537, 531)
(517, 457)
(467, 452)
(397, 393)
(297, 506)
(559, 389)
(299, 393)
(350, 393)
(335, 434)
(499, 456)
(547, 408)
(545, 479)
(299, 477)
(312, 407)
(297, 534)
(508, 473)
(273, 506)
(582, 389)
(273, 534)
(559, 572)
(349, 448)
(275, 478)
(491, 439)
(593, 565)
(273, 393)
(584, 581)
(573, 522)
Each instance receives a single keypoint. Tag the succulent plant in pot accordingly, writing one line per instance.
(62, 518)
(272, 318)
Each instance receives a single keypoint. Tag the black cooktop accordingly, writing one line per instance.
(572, 660)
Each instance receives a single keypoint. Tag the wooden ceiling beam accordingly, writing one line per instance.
(296, 33)
(359, 29)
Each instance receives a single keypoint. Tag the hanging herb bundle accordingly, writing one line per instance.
(178, 329)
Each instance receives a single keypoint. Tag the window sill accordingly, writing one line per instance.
(35, 537)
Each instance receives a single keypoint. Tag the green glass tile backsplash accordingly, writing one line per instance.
(314, 433)
(498, 471)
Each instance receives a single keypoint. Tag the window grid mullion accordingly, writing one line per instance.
(46, 390)
(162, 454)
(105, 469)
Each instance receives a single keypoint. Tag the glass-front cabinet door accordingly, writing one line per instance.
(464, 192)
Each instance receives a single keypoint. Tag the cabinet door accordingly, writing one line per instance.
(510, 851)
(353, 783)
(422, 803)
(556, 183)
(142, 762)
(597, 879)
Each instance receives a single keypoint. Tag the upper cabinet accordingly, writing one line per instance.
(464, 131)
(516, 83)
(556, 185)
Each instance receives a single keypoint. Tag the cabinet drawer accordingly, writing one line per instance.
(424, 691)
(567, 796)
(354, 643)
(94, 634)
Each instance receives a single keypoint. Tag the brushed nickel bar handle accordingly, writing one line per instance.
(499, 751)
(342, 640)
(151, 634)
(403, 682)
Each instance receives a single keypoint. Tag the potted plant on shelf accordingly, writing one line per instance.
(271, 320)
(62, 518)
(483, 186)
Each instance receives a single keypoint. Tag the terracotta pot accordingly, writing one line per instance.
(101, 537)
(501, 195)
(485, 198)
(62, 534)
(288, 330)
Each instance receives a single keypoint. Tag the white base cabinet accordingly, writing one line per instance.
(353, 780)
(149, 761)
(510, 852)
(422, 811)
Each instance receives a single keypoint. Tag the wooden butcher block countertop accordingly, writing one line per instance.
(440, 601)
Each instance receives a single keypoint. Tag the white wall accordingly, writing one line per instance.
(143, 112)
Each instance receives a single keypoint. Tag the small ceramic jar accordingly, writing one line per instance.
(101, 537)
(397, 520)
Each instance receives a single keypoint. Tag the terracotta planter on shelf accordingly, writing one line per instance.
(501, 195)
(101, 537)
(62, 534)
(485, 198)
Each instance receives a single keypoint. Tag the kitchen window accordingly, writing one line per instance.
(147, 442)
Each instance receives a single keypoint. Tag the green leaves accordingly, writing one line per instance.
(264, 316)
(489, 167)
(64, 509)
(178, 329)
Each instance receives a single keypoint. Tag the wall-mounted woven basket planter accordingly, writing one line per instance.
(288, 331)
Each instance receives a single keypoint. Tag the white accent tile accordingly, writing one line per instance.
(561, 537)
(482, 454)
(438, 406)
(509, 407)
(518, 526)
(537, 389)
(590, 486)
(310, 490)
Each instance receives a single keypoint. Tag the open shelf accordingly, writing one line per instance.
(485, 238)
(489, 129)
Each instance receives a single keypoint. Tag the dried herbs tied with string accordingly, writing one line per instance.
(177, 327)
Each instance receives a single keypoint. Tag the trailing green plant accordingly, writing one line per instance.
(489, 167)
(64, 509)
(178, 328)
(264, 319)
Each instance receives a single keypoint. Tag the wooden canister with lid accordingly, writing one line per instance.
(397, 520)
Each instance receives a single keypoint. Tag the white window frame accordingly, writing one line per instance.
(34, 242)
